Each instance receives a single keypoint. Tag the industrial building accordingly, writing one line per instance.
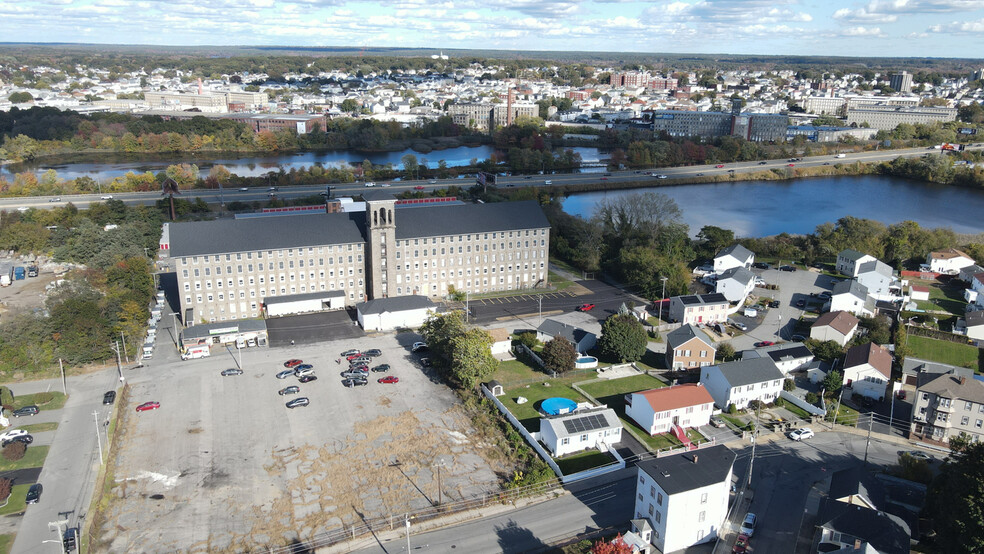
(753, 127)
(886, 118)
(479, 115)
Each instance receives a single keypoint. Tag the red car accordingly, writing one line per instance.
(791, 165)
(719, 166)
(354, 356)
(604, 178)
(389, 379)
(147, 406)
(418, 187)
(585, 307)
(293, 363)
(741, 545)
(764, 343)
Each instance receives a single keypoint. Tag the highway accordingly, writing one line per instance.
(673, 174)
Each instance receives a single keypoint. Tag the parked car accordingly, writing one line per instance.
(761, 265)
(373, 352)
(762, 343)
(382, 368)
(790, 268)
(293, 363)
(774, 304)
(425, 362)
(920, 455)
(293, 389)
(231, 371)
(26, 439)
(418, 347)
(351, 357)
(748, 526)
(825, 295)
(33, 494)
(285, 374)
(801, 434)
(361, 360)
(348, 353)
(298, 402)
(147, 406)
(352, 374)
(389, 379)
(741, 545)
(799, 338)
(801, 303)
(13, 433)
(303, 367)
(739, 325)
(26, 411)
(109, 397)
(364, 368)
(717, 422)
(307, 378)
(349, 383)
(303, 372)
(751, 312)
(585, 307)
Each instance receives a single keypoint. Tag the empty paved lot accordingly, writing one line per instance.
(224, 465)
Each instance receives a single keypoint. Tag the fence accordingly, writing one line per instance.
(526, 351)
(802, 403)
(523, 431)
(935, 334)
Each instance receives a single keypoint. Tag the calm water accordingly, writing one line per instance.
(763, 208)
(107, 167)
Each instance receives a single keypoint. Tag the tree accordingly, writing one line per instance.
(6, 485)
(623, 338)
(471, 357)
(20, 98)
(713, 239)
(529, 339)
(827, 351)
(954, 499)
(878, 329)
(440, 330)
(726, 352)
(410, 164)
(616, 546)
(558, 355)
(349, 105)
(832, 382)
(14, 451)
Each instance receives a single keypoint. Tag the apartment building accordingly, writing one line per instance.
(481, 115)
(949, 405)
(689, 348)
(699, 308)
(227, 268)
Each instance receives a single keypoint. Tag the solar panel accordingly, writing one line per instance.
(687, 300)
(713, 297)
(585, 423)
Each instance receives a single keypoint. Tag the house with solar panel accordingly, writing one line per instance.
(699, 308)
(581, 430)
(788, 356)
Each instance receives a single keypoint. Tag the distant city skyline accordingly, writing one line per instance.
(905, 28)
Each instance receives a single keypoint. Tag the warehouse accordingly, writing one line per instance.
(387, 314)
(304, 303)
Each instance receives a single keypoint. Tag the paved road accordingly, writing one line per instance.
(525, 308)
(263, 193)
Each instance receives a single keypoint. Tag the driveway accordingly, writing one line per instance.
(313, 328)
(527, 307)
(779, 323)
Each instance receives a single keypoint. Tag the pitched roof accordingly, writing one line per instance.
(850, 254)
(500, 335)
(694, 299)
(955, 386)
(884, 532)
(948, 254)
(690, 470)
(265, 233)
(851, 287)
(432, 221)
(842, 322)
(580, 421)
(554, 328)
(677, 396)
(736, 251)
(876, 356)
(739, 274)
(781, 352)
(395, 304)
(876, 266)
(750, 371)
(918, 288)
(973, 319)
(689, 331)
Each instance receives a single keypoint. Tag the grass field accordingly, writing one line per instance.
(16, 503)
(514, 370)
(57, 401)
(800, 412)
(527, 413)
(6, 543)
(33, 458)
(585, 460)
(39, 427)
(944, 352)
(620, 387)
(846, 415)
(733, 420)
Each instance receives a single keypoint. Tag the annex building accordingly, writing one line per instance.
(228, 269)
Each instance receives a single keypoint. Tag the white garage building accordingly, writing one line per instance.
(387, 314)
(305, 303)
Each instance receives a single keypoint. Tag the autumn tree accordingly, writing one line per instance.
(615, 546)
(558, 355)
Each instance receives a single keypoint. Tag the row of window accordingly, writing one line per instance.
(468, 249)
(263, 279)
(947, 402)
(207, 271)
(751, 387)
(289, 252)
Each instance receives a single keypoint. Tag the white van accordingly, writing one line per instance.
(195, 352)
(148, 351)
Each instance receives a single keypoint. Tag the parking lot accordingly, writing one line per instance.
(224, 465)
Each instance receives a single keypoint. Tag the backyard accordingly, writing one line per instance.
(947, 297)
(527, 413)
(945, 352)
(583, 461)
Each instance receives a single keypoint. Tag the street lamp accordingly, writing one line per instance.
(662, 296)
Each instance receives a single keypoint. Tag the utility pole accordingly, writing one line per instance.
(466, 321)
(119, 368)
(125, 354)
(95, 418)
(539, 302)
(867, 440)
(837, 409)
(439, 484)
(662, 296)
(240, 349)
(407, 520)
(64, 382)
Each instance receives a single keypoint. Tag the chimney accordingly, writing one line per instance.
(695, 458)
(199, 86)
(963, 380)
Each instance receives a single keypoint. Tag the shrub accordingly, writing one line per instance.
(779, 402)
(732, 409)
(812, 398)
(6, 396)
(6, 485)
(529, 339)
(41, 398)
(14, 451)
(755, 405)
(788, 385)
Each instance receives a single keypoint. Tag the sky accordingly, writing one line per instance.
(931, 28)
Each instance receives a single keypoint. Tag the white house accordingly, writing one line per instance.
(867, 370)
(949, 261)
(387, 314)
(788, 356)
(581, 339)
(975, 324)
(580, 430)
(658, 410)
(848, 262)
(878, 279)
(967, 274)
(699, 308)
(836, 326)
(851, 296)
(501, 341)
(735, 284)
(742, 381)
(685, 496)
(918, 292)
(733, 256)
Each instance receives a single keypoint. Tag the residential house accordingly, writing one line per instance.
(837, 326)
(639, 537)
(735, 284)
(851, 296)
(501, 341)
(684, 497)
(916, 372)
(581, 339)
(877, 277)
(975, 294)
(849, 261)
(788, 356)
(580, 430)
(733, 256)
(742, 381)
(974, 322)
(949, 261)
(386, 314)
(699, 308)
(867, 370)
(850, 522)
(948, 405)
(689, 348)
(658, 410)
(967, 274)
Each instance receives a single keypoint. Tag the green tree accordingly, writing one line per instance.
(827, 351)
(349, 105)
(440, 330)
(20, 98)
(558, 355)
(410, 165)
(879, 329)
(623, 338)
(954, 499)
(471, 357)
(726, 352)
(713, 239)
(832, 383)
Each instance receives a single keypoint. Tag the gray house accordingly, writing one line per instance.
(581, 339)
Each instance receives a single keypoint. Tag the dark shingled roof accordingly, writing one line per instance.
(394, 304)
(265, 233)
(883, 531)
(749, 372)
(683, 334)
(433, 221)
(690, 470)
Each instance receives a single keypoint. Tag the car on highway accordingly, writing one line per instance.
(432, 182)
(585, 307)
(147, 406)
(763, 163)
(381, 368)
(293, 363)
(243, 189)
(762, 343)
(373, 352)
(106, 197)
(285, 374)
(418, 187)
(719, 166)
(608, 174)
(26, 439)
(368, 184)
(26, 411)
(661, 176)
(748, 525)
(109, 397)
(307, 378)
(293, 389)
(801, 434)
(604, 178)
(919, 455)
(13, 433)
(33, 494)
(301, 372)
(790, 165)
(55, 199)
(348, 353)
(360, 382)
(390, 379)
(298, 402)
(741, 545)
(700, 174)
(419, 347)
(231, 371)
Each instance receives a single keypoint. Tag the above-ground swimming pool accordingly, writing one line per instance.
(586, 362)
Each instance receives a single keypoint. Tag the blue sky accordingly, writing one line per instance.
(937, 28)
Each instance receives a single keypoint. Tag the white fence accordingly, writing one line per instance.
(792, 398)
(523, 431)
(596, 471)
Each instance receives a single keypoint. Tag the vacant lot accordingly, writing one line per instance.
(223, 465)
(944, 352)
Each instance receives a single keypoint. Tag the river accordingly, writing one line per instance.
(764, 208)
(106, 167)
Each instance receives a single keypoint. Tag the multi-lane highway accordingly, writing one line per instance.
(673, 174)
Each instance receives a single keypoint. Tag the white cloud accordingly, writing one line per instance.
(861, 32)
(963, 27)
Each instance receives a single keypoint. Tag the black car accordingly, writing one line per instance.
(425, 362)
(231, 371)
(298, 402)
(787, 268)
(800, 303)
(760, 265)
(374, 352)
(26, 439)
(763, 163)
(774, 304)
(109, 397)
(307, 378)
(355, 382)
(33, 494)
(26, 411)
(382, 368)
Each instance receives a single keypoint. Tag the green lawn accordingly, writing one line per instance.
(527, 413)
(944, 352)
(846, 415)
(620, 387)
(582, 461)
(651, 361)
(39, 427)
(800, 412)
(57, 401)
(16, 504)
(6, 543)
(558, 282)
(734, 421)
(33, 458)
(695, 436)
(511, 371)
